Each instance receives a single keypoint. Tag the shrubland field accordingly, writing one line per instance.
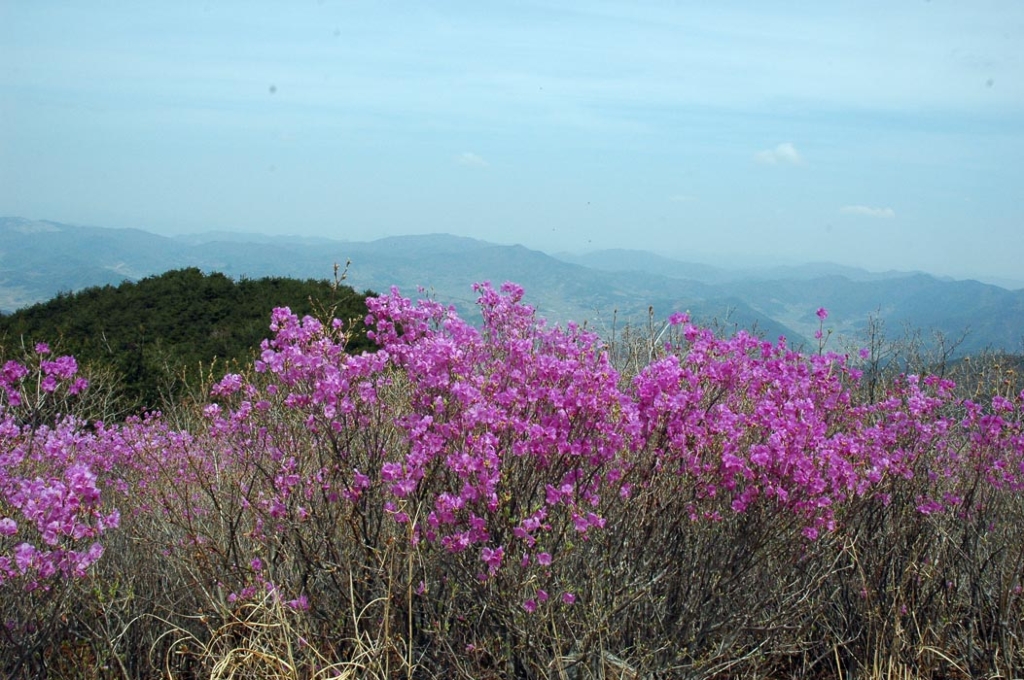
(506, 499)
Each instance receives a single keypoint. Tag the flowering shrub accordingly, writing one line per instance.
(481, 487)
(51, 512)
(994, 446)
(484, 402)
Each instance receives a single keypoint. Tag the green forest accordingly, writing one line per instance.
(158, 335)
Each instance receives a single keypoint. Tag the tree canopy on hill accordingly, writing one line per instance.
(156, 333)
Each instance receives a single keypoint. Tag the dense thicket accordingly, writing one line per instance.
(155, 333)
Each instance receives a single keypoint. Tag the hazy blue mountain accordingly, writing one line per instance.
(245, 237)
(38, 259)
(816, 270)
(622, 260)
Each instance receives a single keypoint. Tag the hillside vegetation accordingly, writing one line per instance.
(501, 501)
(154, 335)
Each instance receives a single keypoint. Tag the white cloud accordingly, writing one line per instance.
(868, 211)
(784, 153)
(682, 198)
(470, 159)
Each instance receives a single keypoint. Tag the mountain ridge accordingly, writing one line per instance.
(40, 258)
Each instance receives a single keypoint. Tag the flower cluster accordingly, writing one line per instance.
(504, 441)
(763, 423)
(483, 402)
(51, 513)
(484, 408)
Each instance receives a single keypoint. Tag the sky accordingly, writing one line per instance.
(881, 134)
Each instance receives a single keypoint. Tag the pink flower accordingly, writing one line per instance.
(492, 558)
(390, 471)
(301, 603)
(229, 384)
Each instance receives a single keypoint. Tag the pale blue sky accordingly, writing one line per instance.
(880, 134)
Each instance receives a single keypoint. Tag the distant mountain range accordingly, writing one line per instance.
(39, 259)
